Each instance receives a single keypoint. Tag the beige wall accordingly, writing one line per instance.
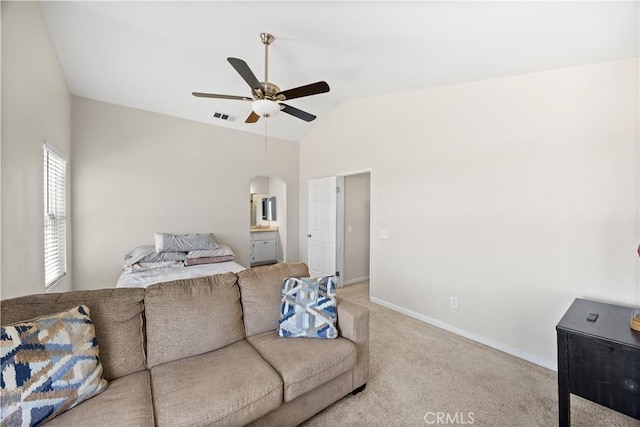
(278, 189)
(36, 106)
(357, 199)
(136, 173)
(516, 195)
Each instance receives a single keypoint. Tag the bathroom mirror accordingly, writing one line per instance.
(269, 208)
(256, 208)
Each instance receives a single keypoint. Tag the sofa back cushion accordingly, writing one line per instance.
(192, 316)
(261, 290)
(115, 313)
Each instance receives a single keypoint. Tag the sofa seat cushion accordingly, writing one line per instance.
(305, 363)
(229, 386)
(125, 402)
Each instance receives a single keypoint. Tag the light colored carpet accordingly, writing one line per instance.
(417, 369)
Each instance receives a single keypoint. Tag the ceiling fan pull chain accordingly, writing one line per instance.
(265, 134)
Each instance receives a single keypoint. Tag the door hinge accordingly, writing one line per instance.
(337, 274)
(337, 189)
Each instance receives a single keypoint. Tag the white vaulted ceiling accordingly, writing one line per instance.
(152, 55)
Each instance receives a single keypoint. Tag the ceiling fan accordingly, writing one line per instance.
(266, 98)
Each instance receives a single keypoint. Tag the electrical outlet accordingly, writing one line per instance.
(454, 302)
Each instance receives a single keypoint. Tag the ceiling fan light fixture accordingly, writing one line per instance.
(265, 107)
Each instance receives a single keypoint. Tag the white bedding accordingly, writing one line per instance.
(143, 279)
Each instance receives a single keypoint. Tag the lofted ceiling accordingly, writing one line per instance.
(152, 55)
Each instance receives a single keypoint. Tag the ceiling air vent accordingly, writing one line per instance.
(223, 116)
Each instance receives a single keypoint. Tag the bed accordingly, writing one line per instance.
(142, 279)
(176, 257)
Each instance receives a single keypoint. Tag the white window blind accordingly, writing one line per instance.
(55, 216)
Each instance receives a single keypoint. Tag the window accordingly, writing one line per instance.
(55, 216)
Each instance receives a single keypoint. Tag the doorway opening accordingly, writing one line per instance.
(354, 227)
(339, 227)
(268, 220)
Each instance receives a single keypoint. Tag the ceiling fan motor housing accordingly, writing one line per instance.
(270, 91)
(266, 105)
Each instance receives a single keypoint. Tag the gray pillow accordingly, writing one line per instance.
(147, 253)
(184, 242)
(208, 260)
(146, 266)
(222, 251)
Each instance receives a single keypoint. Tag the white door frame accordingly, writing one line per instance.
(340, 230)
(340, 222)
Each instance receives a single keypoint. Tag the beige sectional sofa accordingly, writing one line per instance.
(204, 351)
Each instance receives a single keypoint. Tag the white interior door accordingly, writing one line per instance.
(322, 226)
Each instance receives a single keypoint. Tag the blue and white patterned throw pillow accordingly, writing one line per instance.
(49, 365)
(308, 308)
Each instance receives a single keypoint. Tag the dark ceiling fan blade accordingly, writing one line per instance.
(299, 92)
(213, 95)
(245, 72)
(253, 117)
(297, 113)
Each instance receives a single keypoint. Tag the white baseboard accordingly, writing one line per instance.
(356, 280)
(545, 363)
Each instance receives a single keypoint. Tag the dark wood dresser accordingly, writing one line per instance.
(598, 360)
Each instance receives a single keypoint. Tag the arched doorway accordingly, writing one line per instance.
(268, 220)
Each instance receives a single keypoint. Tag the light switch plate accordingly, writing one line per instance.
(384, 234)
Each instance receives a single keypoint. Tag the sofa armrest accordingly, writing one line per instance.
(353, 324)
